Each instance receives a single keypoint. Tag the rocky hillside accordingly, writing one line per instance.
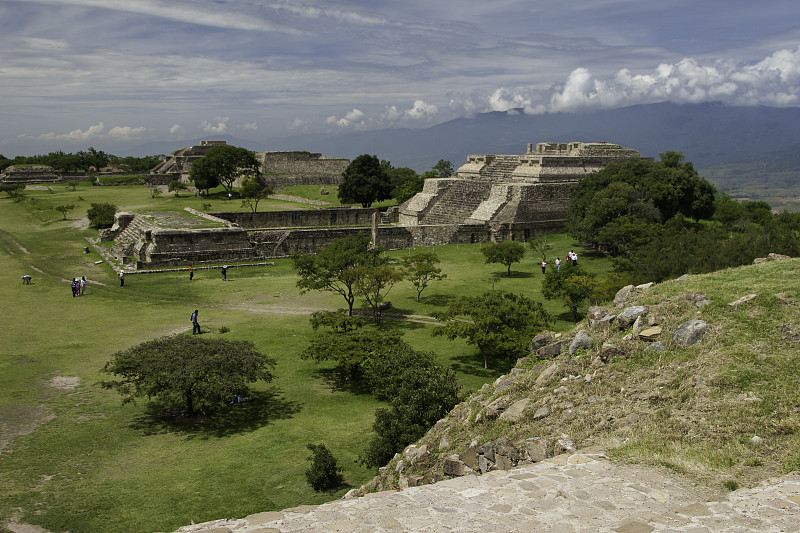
(697, 375)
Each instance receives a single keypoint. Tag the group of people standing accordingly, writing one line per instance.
(571, 257)
(78, 286)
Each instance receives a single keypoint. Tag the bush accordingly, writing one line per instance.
(324, 473)
(101, 215)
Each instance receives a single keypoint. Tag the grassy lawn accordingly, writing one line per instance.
(72, 458)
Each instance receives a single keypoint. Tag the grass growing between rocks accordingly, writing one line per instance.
(73, 458)
(724, 412)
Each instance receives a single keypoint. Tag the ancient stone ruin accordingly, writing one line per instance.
(280, 169)
(513, 195)
(491, 198)
(30, 174)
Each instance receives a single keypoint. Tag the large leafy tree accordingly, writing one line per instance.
(252, 191)
(420, 269)
(501, 324)
(336, 267)
(374, 282)
(419, 391)
(444, 169)
(646, 190)
(191, 371)
(365, 181)
(223, 165)
(504, 252)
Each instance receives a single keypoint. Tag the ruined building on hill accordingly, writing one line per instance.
(490, 198)
(512, 196)
(30, 174)
(280, 169)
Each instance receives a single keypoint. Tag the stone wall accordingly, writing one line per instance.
(285, 169)
(30, 174)
(343, 216)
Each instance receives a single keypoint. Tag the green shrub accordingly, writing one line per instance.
(324, 473)
(101, 215)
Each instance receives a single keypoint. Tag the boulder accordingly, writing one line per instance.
(656, 346)
(622, 295)
(608, 352)
(637, 327)
(541, 412)
(547, 374)
(650, 334)
(582, 341)
(777, 257)
(537, 449)
(453, 466)
(690, 332)
(514, 412)
(594, 315)
(470, 458)
(542, 339)
(552, 350)
(626, 318)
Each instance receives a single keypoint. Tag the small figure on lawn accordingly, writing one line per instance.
(225, 273)
(195, 323)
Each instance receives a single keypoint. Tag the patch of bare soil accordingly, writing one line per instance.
(65, 382)
(19, 420)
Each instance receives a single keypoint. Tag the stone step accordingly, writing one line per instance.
(582, 492)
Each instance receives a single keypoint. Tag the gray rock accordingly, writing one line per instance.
(608, 352)
(644, 286)
(470, 458)
(542, 339)
(551, 350)
(514, 412)
(453, 466)
(684, 277)
(622, 295)
(626, 318)
(637, 327)
(703, 303)
(547, 374)
(537, 449)
(650, 334)
(582, 341)
(690, 332)
(541, 412)
(656, 346)
(595, 314)
(777, 257)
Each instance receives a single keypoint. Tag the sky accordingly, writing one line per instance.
(115, 73)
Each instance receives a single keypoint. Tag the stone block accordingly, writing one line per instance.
(690, 332)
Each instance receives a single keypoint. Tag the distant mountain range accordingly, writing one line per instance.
(709, 135)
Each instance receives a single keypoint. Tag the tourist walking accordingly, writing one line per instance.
(544, 266)
(225, 273)
(191, 272)
(74, 286)
(121, 279)
(195, 324)
(83, 285)
(558, 264)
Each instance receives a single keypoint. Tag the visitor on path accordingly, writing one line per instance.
(74, 286)
(191, 272)
(122, 279)
(195, 324)
(544, 266)
(575, 259)
(26, 279)
(225, 273)
(83, 285)
(558, 264)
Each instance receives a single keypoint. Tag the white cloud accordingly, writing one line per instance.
(78, 135)
(772, 81)
(352, 119)
(298, 124)
(175, 129)
(220, 127)
(126, 133)
(503, 100)
(420, 110)
(249, 126)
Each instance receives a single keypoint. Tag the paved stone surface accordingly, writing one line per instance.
(570, 493)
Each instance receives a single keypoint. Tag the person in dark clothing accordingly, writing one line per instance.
(225, 273)
(195, 324)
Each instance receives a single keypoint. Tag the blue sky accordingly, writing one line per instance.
(108, 73)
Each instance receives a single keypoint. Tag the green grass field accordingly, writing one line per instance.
(73, 458)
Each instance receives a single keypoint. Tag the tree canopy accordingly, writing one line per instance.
(504, 252)
(501, 324)
(638, 189)
(335, 268)
(252, 190)
(575, 287)
(420, 268)
(222, 165)
(197, 373)
(365, 181)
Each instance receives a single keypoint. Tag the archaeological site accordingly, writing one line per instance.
(490, 198)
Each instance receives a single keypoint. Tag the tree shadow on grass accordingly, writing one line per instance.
(472, 364)
(339, 380)
(256, 410)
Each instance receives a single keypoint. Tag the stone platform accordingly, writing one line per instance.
(569, 493)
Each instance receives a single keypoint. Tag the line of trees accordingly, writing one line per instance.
(84, 161)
